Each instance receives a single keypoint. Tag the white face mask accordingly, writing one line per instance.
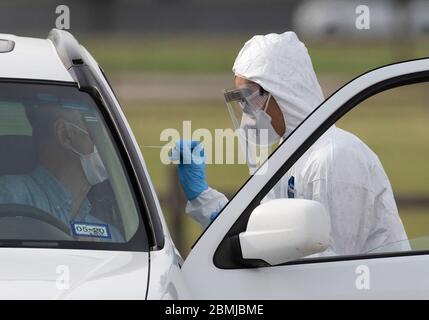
(92, 165)
(256, 119)
(247, 107)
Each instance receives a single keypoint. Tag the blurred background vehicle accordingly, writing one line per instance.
(169, 61)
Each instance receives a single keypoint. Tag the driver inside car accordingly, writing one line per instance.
(68, 167)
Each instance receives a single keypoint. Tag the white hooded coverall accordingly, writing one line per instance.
(339, 170)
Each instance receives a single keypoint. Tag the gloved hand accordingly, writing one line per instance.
(192, 167)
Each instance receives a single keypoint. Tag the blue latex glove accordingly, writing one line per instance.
(192, 167)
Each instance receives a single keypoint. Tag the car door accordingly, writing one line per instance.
(213, 269)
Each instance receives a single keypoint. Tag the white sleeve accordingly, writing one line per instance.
(202, 208)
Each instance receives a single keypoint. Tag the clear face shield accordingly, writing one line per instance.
(247, 107)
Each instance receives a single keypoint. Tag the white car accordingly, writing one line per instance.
(55, 102)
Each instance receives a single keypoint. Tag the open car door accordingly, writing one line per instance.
(216, 267)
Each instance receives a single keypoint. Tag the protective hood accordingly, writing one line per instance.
(281, 65)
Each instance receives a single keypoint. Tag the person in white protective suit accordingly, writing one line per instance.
(275, 80)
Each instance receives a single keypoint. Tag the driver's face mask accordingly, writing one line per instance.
(92, 164)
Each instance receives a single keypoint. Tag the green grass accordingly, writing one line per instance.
(197, 54)
(355, 58)
(416, 221)
(165, 55)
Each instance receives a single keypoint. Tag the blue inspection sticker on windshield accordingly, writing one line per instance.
(86, 229)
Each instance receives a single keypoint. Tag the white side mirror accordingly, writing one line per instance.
(282, 230)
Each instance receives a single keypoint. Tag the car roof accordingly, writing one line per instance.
(32, 58)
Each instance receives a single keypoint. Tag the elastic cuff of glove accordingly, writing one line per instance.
(194, 195)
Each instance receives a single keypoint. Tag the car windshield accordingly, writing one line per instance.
(61, 177)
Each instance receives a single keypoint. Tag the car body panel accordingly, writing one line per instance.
(387, 278)
(166, 279)
(28, 273)
(42, 64)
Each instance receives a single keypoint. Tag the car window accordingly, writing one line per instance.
(369, 170)
(61, 175)
(416, 244)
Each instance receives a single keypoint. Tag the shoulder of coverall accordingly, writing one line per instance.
(340, 156)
